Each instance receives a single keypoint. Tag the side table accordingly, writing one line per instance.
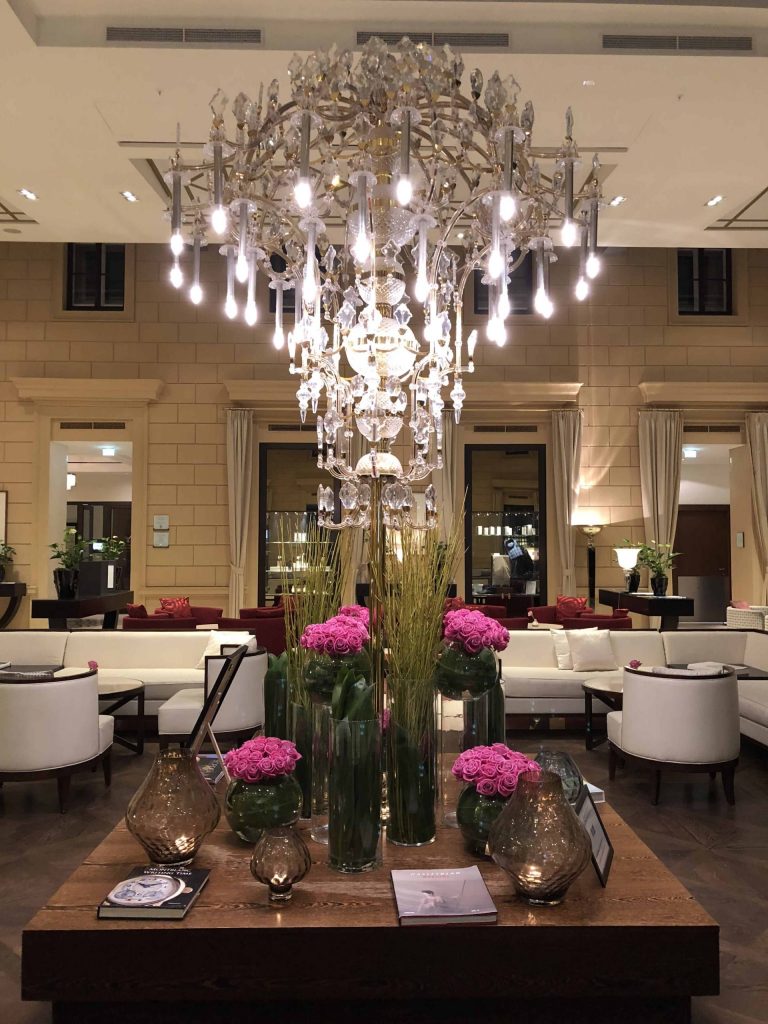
(610, 692)
(14, 592)
(120, 691)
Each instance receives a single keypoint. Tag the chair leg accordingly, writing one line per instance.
(657, 787)
(612, 762)
(106, 766)
(63, 782)
(728, 780)
(162, 744)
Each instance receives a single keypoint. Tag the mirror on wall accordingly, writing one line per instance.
(505, 525)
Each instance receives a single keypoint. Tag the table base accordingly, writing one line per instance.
(614, 701)
(138, 746)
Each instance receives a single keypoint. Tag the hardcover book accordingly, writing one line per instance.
(443, 896)
(154, 891)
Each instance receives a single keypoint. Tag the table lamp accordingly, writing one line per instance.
(627, 559)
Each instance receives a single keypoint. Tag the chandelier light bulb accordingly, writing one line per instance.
(507, 206)
(421, 288)
(177, 243)
(302, 193)
(230, 307)
(593, 266)
(241, 269)
(404, 190)
(251, 313)
(219, 220)
(543, 304)
(504, 306)
(569, 234)
(309, 289)
(492, 328)
(582, 289)
(501, 335)
(361, 250)
(196, 294)
(495, 264)
(177, 278)
(278, 338)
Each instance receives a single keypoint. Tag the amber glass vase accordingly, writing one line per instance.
(173, 810)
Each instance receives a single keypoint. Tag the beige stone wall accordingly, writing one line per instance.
(622, 336)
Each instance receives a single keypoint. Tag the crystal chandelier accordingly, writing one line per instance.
(362, 179)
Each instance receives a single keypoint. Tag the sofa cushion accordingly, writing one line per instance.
(271, 612)
(570, 607)
(177, 606)
(755, 650)
(591, 651)
(645, 645)
(137, 611)
(753, 700)
(116, 649)
(552, 683)
(216, 638)
(33, 647)
(179, 713)
(530, 647)
(159, 683)
(562, 645)
(684, 646)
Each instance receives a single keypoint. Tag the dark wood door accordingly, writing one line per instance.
(703, 567)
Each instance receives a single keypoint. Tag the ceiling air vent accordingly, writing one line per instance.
(252, 36)
(78, 425)
(310, 428)
(465, 40)
(184, 36)
(393, 38)
(122, 34)
(711, 428)
(675, 44)
(508, 428)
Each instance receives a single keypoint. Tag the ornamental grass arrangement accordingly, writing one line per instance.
(467, 659)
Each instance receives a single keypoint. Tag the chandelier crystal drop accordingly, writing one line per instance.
(378, 174)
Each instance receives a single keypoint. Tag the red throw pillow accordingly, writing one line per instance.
(570, 607)
(178, 607)
(620, 613)
(137, 611)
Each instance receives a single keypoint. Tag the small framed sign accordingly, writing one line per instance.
(161, 522)
(161, 539)
(602, 850)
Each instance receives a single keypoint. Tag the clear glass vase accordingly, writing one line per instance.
(280, 859)
(475, 815)
(173, 810)
(463, 723)
(538, 840)
(252, 807)
(276, 697)
(354, 794)
(300, 728)
(321, 754)
(412, 778)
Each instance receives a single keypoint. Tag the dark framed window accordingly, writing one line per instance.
(520, 288)
(95, 277)
(704, 282)
(289, 294)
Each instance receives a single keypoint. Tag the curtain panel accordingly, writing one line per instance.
(445, 479)
(757, 449)
(239, 475)
(661, 453)
(566, 467)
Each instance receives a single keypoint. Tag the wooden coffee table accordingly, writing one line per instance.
(610, 692)
(120, 691)
(635, 951)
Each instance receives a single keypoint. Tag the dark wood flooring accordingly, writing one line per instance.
(720, 853)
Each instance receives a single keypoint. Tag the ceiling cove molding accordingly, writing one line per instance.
(278, 396)
(684, 394)
(87, 389)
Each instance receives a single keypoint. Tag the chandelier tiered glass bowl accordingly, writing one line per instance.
(379, 173)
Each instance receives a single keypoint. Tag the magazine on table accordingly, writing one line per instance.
(443, 896)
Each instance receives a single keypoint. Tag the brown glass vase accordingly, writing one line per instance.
(173, 810)
(538, 840)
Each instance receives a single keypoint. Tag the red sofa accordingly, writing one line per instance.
(158, 620)
(268, 624)
(550, 613)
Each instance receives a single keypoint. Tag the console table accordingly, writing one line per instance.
(57, 612)
(670, 608)
(14, 592)
(633, 952)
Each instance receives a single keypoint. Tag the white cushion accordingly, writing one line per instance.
(562, 648)
(159, 683)
(216, 638)
(753, 700)
(106, 732)
(33, 647)
(180, 712)
(646, 646)
(550, 683)
(613, 724)
(591, 650)
(529, 647)
(113, 648)
(755, 652)
(684, 646)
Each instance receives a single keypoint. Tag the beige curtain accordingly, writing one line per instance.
(661, 452)
(445, 479)
(239, 474)
(757, 448)
(566, 466)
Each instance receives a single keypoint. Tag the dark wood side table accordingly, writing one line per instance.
(670, 608)
(57, 612)
(611, 693)
(14, 592)
(120, 692)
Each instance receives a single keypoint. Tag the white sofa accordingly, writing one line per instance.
(534, 685)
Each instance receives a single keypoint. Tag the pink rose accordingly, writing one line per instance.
(93, 665)
(635, 663)
(486, 787)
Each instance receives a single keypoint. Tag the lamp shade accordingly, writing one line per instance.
(627, 557)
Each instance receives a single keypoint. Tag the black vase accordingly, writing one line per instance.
(65, 581)
(2, 571)
(659, 585)
(633, 581)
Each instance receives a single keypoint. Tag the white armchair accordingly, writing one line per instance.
(241, 711)
(677, 723)
(53, 729)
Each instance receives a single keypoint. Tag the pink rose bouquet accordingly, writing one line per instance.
(467, 662)
(357, 612)
(494, 770)
(339, 645)
(473, 631)
(262, 758)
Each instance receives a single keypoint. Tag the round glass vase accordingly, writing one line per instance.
(538, 840)
(252, 807)
(475, 815)
(354, 794)
(173, 810)
(412, 778)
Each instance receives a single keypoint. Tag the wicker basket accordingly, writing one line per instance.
(747, 618)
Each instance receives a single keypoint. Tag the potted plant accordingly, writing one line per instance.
(6, 558)
(659, 559)
(69, 555)
(100, 572)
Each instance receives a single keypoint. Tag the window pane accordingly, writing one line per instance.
(520, 288)
(113, 296)
(289, 296)
(83, 274)
(686, 259)
(704, 282)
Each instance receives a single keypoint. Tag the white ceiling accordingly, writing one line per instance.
(74, 112)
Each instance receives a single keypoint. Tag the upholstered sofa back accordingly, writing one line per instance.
(33, 647)
(115, 649)
(726, 645)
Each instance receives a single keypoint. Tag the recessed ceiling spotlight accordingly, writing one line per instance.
(618, 200)
(28, 194)
(690, 453)
(129, 197)
(108, 450)
(588, 83)
(715, 200)
(460, 234)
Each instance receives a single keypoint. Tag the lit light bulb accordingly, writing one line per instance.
(582, 289)
(404, 191)
(177, 278)
(196, 294)
(251, 313)
(593, 266)
(501, 335)
(177, 243)
(504, 305)
(507, 206)
(421, 288)
(361, 250)
(241, 269)
(219, 220)
(543, 304)
(278, 338)
(302, 193)
(492, 328)
(568, 234)
(495, 264)
(230, 307)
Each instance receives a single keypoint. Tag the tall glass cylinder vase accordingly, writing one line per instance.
(300, 727)
(464, 722)
(497, 715)
(321, 742)
(412, 777)
(354, 794)
(276, 697)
